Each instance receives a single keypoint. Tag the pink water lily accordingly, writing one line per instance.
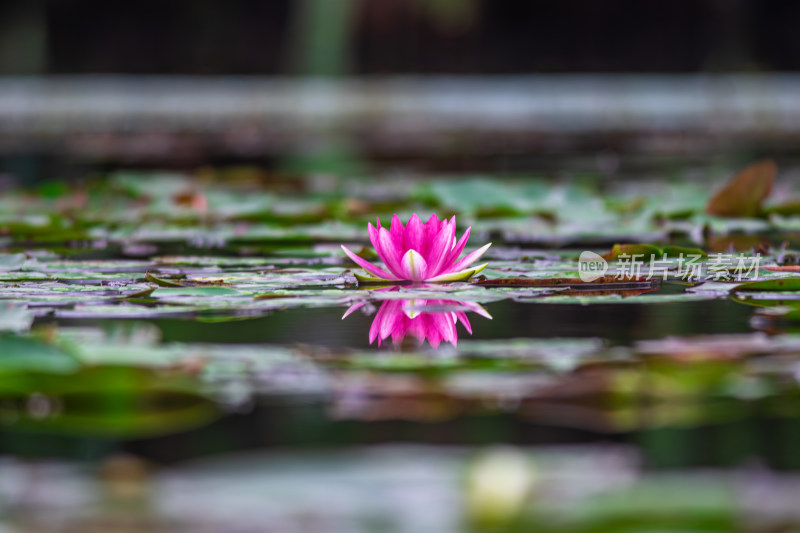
(419, 251)
(431, 320)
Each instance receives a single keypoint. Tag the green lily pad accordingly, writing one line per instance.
(197, 291)
(781, 284)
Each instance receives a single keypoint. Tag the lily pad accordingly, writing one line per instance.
(781, 284)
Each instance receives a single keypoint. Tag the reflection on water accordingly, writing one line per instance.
(104, 401)
(431, 320)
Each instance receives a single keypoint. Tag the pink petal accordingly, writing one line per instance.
(448, 328)
(417, 327)
(374, 238)
(478, 309)
(352, 309)
(458, 248)
(432, 331)
(439, 251)
(450, 225)
(398, 335)
(373, 234)
(414, 266)
(471, 257)
(376, 325)
(415, 235)
(398, 232)
(432, 228)
(391, 323)
(390, 253)
(366, 265)
(458, 275)
(462, 317)
(440, 327)
(383, 323)
(433, 223)
(373, 330)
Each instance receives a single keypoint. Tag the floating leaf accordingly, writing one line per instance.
(645, 251)
(14, 318)
(786, 209)
(28, 354)
(601, 282)
(10, 262)
(109, 401)
(783, 268)
(196, 291)
(780, 284)
(743, 195)
(676, 251)
(160, 281)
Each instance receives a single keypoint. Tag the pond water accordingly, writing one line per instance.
(180, 353)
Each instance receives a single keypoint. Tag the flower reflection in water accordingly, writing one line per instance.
(434, 320)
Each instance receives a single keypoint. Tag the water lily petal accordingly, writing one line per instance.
(374, 237)
(471, 257)
(414, 266)
(432, 330)
(375, 327)
(458, 247)
(394, 325)
(438, 251)
(390, 253)
(459, 275)
(352, 309)
(479, 309)
(432, 228)
(449, 333)
(384, 322)
(369, 267)
(415, 235)
(441, 327)
(434, 225)
(373, 234)
(462, 317)
(397, 231)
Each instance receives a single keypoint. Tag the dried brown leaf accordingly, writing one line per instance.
(743, 195)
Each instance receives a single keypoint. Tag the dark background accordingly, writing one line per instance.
(258, 37)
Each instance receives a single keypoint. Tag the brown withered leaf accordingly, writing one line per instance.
(783, 268)
(739, 243)
(599, 283)
(743, 195)
(624, 293)
(192, 200)
(162, 282)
